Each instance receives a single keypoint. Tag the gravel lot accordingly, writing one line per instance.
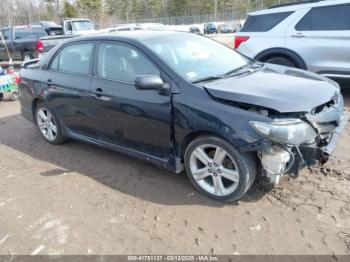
(80, 199)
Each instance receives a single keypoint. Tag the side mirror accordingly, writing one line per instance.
(149, 82)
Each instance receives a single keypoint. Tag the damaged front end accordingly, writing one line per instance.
(300, 141)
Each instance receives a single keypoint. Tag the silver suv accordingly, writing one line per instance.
(311, 35)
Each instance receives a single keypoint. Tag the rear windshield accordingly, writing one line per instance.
(30, 32)
(263, 23)
(49, 24)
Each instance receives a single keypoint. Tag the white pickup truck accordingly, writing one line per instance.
(77, 26)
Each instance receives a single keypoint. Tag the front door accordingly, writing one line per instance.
(125, 116)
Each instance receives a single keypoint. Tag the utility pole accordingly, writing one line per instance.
(58, 8)
(216, 8)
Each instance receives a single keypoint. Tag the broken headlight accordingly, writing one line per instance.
(291, 132)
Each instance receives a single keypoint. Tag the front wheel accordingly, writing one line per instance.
(48, 124)
(218, 170)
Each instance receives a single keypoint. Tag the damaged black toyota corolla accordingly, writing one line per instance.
(184, 102)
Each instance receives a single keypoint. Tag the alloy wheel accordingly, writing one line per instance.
(214, 170)
(46, 124)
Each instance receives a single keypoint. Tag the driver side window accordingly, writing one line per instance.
(122, 63)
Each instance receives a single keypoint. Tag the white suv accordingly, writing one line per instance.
(311, 35)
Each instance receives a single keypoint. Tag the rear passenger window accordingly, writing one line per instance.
(74, 58)
(263, 23)
(30, 32)
(325, 18)
(122, 63)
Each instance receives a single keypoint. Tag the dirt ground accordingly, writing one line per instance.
(80, 199)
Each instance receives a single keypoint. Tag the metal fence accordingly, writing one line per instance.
(196, 19)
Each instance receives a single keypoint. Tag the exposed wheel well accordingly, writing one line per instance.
(282, 52)
(36, 101)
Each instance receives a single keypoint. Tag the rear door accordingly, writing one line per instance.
(68, 81)
(125, 116)
(322, 38)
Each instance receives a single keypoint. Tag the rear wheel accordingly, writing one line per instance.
(281, 60)
(27, 56)
(218, 170)
(48, 124)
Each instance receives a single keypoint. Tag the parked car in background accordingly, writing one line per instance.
(120, 28)
(50, 27)
(152, 26)
(23, 42)
(195, 30)
(313, 35)
(210, 28)
(184, 102)
(78, 26)
(226, 28)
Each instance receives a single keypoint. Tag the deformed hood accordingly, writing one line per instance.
(280, 88)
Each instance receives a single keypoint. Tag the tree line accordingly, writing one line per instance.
(104, 12)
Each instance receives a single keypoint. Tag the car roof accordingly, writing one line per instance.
(299, 5)
(27, 26)
(139, 35)
(75, 19)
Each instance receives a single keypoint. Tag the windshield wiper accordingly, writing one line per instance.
(228, 74)
(251, 65)
(207, 78)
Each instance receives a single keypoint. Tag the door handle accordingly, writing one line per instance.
(298, 35)
(100, 95)
(49, 82)
(99, 92)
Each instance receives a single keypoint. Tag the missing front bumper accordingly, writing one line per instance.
(277, 162)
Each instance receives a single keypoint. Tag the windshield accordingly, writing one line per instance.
(196, 57)
(82, 25)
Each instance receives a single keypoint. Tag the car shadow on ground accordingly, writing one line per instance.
(117, 171)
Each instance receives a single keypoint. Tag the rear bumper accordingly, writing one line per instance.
(27, 114)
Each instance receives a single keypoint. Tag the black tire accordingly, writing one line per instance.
(27, 55)
(281, 60)
(246, 165)
(60, 138)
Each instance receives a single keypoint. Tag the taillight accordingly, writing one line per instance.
(39, 46)
(239, 40)
(18, 80)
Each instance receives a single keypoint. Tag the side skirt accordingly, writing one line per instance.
(167, 163)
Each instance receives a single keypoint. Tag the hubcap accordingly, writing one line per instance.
(46, 124)
(214, 170)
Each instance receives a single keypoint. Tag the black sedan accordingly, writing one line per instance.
(184, 102)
